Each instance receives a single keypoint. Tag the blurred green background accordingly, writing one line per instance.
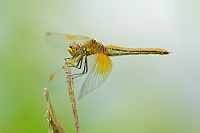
(143, 94)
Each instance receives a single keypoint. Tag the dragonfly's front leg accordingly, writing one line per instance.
(78, 65)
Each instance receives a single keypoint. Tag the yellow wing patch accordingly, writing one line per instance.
(70, 37)
(103, 63)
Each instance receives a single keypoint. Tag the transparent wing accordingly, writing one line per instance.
(100, 71)
(57, 81)
(62, 41)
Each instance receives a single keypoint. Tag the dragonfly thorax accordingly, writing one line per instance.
(92, 46)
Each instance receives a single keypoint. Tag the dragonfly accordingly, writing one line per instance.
(91, 57)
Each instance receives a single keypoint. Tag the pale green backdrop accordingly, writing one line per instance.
(143, 94)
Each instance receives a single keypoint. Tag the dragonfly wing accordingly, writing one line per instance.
(62, 41)
(98, 74)
(57, 81)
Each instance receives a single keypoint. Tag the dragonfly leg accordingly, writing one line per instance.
(79, 62)
(85, 66)
(85, 69)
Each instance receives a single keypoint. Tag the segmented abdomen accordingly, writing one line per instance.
(112, 50)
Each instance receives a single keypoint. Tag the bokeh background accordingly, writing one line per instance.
(143, 94)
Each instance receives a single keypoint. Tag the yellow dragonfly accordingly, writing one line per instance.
(88, 55)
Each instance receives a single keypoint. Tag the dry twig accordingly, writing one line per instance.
(71, 96)
(54, 123)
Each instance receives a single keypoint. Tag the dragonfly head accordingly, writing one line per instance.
(73, 48)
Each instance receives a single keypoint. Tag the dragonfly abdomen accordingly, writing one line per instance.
(112, 50)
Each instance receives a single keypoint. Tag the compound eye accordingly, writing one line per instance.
(74, 45)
